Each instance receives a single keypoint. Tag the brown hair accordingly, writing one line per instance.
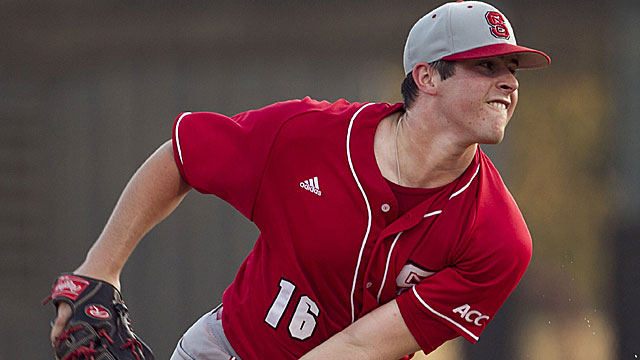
(409, 89)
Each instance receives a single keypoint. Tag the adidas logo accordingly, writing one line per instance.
(311, 185)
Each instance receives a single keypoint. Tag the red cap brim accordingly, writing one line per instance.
(527, 58)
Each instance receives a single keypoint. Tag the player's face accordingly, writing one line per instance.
(480, 98)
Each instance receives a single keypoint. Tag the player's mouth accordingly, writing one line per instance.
(499, 104)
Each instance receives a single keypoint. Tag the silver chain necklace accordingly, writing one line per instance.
(396, 140)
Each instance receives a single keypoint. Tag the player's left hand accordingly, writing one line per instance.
(92, 321)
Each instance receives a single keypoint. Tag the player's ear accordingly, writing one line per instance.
(425, 78)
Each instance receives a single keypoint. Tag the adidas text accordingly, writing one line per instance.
(311, 185)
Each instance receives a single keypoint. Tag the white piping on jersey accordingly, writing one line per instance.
(443, 316)
(433, 213)
(386, 269)
(366, 200)
(178, 137)
(466, 186)
(366, 236)
(437, 212)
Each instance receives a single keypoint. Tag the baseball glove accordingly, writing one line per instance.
(99, 327)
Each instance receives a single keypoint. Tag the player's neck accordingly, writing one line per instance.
(426, 158)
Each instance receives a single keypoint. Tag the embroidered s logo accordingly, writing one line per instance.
(498, 26)
(410, 275)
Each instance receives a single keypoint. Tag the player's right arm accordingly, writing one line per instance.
(381, 334)
(153, 192)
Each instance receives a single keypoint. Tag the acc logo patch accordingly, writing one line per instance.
(472, 316)
(498, 25)
(97, 311)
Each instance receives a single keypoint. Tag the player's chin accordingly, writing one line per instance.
(494, 138)
(494, 132)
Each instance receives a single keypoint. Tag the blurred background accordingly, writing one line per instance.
(89, 89)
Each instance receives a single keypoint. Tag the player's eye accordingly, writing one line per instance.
(487, 65)
(513, 66)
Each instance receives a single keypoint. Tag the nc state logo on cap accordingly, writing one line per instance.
(498, 26)
(97, 311)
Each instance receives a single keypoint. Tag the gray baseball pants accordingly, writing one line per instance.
(205, 340)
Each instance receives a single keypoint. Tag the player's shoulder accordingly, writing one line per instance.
(310, 118)
(499, 222)
(338, 108)
(292, 108)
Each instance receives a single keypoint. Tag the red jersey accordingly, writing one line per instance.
(332, 246)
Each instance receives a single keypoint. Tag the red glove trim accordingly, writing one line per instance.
(69, 286)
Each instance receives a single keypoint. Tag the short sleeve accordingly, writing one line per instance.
(466, 296)
(226, 156)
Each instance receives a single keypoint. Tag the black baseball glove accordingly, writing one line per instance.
(99, 327)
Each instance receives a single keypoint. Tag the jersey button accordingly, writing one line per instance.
(385, 207)
(369, 284)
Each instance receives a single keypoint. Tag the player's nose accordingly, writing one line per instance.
(507, 80)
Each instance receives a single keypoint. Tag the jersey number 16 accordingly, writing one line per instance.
(303, 322)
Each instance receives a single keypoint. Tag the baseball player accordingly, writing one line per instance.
(384, 228)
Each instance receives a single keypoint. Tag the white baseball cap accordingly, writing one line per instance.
(466, 30)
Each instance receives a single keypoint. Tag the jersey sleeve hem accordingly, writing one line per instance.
(429, 327)
(471, 337)
(414, 327)
(177, 150)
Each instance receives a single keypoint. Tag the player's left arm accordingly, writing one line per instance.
(381, 334)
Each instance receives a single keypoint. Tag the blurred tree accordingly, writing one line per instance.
(559, 151)
(625, 85)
